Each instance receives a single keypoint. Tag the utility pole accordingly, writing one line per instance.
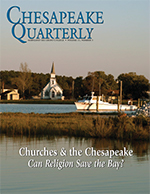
(97, 103)
(93, 85)
(138, 102)
(118, 103)
(99, 88)
(73, 89)
(120, 92)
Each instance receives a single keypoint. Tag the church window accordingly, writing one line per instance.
(46, 93)
(52, 81)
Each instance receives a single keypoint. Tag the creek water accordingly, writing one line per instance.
(45, 108)
(38, 108)
(17, 175)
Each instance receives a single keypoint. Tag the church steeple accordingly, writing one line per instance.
(53, 69)
(52, 75)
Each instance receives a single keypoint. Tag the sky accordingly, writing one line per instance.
(119, 45)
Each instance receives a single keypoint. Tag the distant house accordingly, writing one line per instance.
(9, 94)
(148, 92)
(52, 90)
(113, 92)
(112, 95)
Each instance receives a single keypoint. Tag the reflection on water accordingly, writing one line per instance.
(140, 148)
(17, 177)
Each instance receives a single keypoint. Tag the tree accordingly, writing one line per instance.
(24, 79)
(134, 86)
(111, 82)
(78, 87)
(99, 82)
(66, 84)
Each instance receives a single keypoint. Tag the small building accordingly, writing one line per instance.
(112, 95)
(52, 90)
(148, 93)
(9, 94)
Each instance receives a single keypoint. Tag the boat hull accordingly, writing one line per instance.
(104, 107)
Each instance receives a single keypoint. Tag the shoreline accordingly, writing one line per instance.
(48, 101)
(75, 125)
(37, 101)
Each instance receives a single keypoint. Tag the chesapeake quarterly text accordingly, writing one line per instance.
(58, 22)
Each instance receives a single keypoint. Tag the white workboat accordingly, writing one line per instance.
(90, 103)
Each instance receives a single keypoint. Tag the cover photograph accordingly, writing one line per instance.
(74, 96)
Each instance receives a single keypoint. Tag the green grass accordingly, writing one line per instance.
(75, 124)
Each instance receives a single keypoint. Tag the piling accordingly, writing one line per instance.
(97, 103)
(141, 102)
(118, 103)
(138, 102)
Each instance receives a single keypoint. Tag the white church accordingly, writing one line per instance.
(52, 90)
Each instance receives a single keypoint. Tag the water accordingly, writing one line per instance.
(45, 108)
(38, 108)
(17, 177)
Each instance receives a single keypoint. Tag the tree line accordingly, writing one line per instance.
(30, 84)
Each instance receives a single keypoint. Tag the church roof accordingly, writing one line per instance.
(53, 69)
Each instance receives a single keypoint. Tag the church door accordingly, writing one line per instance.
(53, 94)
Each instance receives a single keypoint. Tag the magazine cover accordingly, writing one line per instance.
(74, 96)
